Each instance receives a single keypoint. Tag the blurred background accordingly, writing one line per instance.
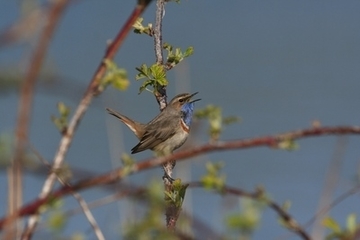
(278, 65)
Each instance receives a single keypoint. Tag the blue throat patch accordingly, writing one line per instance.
(187, 110)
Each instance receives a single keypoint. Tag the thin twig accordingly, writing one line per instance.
(331, 180)
(160, 8)
(339, 199)
(83, 205)
(140, 193)
(118, 174)
(84, 104)
(291, 223)
(89, 215)
(53, 14)
(206, 231)
(160, 91)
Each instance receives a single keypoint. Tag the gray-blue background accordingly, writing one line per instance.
(278, 65)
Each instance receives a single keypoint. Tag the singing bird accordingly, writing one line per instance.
(167, 131)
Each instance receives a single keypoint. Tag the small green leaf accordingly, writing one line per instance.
(286, 205)
(288, 144)
(143, 72)
(331, 224)
(174, 58)
(179, 189)
(177, 194)
(127, 160)
(121, 83)
(351, 223)
(61, 122)
(154, 76)
(212, 179)
(63, 109)
(145, 85)
(115, 76)
(231, 120)
(189, 51)
(128, 164)
(214, 115)
(167, 47)
(157, 71)
(216, 121)
(78, 236)
(246, 221)
(57, 220)
(214, 168)
(139, 28)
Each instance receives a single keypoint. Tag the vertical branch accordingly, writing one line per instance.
(160, 91)
(81, 109)
(160, 8)
(171, 210)
(53, 14)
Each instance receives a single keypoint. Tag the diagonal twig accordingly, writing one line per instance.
(291, 223)
(82, 107)
(83, 205)
(331, 180)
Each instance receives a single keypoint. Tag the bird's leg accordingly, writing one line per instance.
(168, 168)
(168, 178)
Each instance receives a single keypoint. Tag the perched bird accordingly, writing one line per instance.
(167, 131)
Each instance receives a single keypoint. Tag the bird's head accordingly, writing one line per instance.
(183, 99)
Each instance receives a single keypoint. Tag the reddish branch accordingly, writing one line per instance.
(120, 173)
(82, 107)
(53, 15)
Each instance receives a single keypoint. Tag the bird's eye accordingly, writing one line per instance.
(181, 100)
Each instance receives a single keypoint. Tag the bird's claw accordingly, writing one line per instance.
(167, 177)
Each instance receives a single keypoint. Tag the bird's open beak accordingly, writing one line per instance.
(195, 100)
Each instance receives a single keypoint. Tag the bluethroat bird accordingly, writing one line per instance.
(167, 131)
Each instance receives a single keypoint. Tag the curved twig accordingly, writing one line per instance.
(291, 223)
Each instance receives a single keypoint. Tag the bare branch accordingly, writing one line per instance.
(84, 104)
(53, 14)
(171, 212)
(83, 205)
(160, 91)
(339, 199)
(160, 11)
(118, 174)
(331, 180)
(89, 215)
(286, 217)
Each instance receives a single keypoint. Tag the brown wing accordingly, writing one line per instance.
(156, 133)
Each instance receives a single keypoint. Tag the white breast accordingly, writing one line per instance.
(172, 143)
